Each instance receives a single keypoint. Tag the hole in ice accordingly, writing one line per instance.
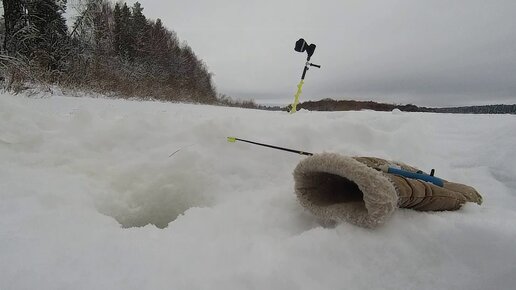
(157, 198)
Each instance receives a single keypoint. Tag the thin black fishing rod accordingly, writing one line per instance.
(234, 139)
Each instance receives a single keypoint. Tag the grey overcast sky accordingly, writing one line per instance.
(434, 53)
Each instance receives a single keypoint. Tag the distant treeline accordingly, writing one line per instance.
(111, 48)
(347, 105)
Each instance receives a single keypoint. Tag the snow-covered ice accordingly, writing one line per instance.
(87, 189)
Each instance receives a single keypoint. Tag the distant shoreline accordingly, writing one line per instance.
(351, 105)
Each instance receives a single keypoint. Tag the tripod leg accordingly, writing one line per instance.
(296, 97)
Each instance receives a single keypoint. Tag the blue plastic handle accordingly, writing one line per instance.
(421, 176)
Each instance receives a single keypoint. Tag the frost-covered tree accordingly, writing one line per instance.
(124, 37)
(139, 28)
(46, 17)
(49, 44)
(14, 22)
(117, 31)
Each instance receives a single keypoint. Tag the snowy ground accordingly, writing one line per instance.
(82, 178)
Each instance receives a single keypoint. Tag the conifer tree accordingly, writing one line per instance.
(139, 29)
(126, 44)
(117, 32)
(13, 17)
(50, 40)
(102, 31)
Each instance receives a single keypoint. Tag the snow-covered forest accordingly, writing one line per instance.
(110, 48)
